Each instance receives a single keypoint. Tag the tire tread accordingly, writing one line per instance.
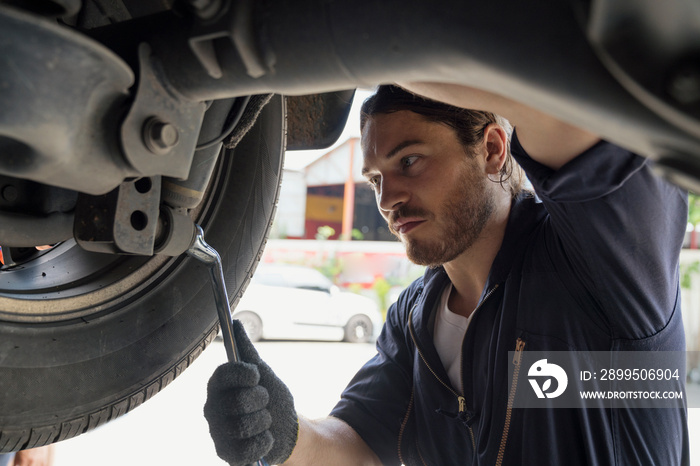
(23, 439)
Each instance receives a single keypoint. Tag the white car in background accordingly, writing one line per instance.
(300, 303)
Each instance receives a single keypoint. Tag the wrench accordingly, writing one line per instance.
(201, 251)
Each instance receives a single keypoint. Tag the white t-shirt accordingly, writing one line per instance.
(448, 336)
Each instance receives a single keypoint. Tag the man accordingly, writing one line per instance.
(593, 267)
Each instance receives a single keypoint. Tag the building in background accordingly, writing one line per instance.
(330, 199)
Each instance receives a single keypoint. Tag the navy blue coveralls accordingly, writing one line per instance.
(592, 267)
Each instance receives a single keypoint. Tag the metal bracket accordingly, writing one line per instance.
(123, 221)
(160, 131)
(175, 233)
(231, 21)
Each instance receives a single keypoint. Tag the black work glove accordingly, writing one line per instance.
(249, 409)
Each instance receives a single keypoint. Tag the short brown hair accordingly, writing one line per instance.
(469, 125)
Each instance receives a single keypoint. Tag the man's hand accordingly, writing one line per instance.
(42, 456)
(249, 409)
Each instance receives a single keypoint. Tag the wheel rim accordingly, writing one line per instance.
(67, 282)
(360, 331)
(251, 325)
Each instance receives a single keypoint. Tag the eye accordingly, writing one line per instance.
(373, 182)
(408, 161)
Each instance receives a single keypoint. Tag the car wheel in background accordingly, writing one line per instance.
(252, 324)
(358, 329)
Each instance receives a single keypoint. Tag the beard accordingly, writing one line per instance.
(461, 219)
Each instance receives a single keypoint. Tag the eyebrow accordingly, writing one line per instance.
(398, 148)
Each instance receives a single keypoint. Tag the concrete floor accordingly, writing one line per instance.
(170, 429)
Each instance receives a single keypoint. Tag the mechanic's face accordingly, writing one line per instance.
(431, 193)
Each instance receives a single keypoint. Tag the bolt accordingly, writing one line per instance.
(9, 193)
(160, 136)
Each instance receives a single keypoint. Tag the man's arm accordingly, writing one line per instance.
(547, 140)
(251, 415)
(330, 441)
(41, 456)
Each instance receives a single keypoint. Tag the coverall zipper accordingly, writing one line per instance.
(403, 425)
(461, 401)
(461, 357)
(519, 346)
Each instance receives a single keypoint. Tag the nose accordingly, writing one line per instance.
(391, 195)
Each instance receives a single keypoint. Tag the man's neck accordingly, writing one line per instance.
(470, 270)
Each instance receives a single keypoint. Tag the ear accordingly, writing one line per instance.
(496, 142)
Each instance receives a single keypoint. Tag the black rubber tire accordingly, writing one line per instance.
(252, 323)
(358, 329)
(64, 373)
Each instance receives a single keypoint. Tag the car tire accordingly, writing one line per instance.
(78, 352)
(252, 324)
(359, 329)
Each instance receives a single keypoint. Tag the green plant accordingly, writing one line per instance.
(687, 272)
(355, 288)
(331, 268)
(693, 209)
(357, 234)
(324, 232)
(382, 287)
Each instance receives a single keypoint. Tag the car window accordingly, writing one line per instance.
(309, 279)
(269, 278)
(294, 277)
